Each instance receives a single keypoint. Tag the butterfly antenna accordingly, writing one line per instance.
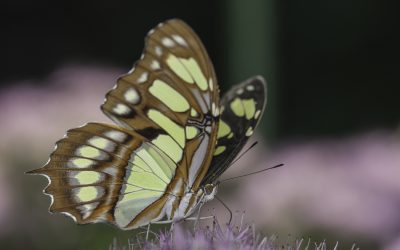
(244, 152)
(256, 172)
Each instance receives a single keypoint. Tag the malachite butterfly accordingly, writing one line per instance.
(174, 137)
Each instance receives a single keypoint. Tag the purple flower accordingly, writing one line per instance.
(217, 237)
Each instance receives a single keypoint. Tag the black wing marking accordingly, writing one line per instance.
(242, 108)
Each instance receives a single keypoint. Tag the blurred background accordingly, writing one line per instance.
(332, 118)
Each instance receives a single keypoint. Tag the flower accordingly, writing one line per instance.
(217, 237)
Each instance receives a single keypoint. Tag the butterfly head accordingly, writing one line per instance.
(210, 190)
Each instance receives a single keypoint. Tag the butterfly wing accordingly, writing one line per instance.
(171, 90)
(241, 110)
(168, 110)
(98, 171)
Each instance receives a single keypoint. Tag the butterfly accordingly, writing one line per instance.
(174, 137)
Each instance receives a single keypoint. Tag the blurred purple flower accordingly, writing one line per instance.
(241, 237)
(349, 185)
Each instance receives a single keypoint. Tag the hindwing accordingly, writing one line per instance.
(241, 110)
(97, 170)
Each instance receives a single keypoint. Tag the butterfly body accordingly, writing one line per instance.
(186, 205)
(174, 137)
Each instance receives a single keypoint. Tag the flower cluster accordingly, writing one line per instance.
(217, 237)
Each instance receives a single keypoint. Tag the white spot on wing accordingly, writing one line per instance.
(121, 109)
(250, 87)
(158, 51)
(249, 131)
(143, 77)
(155, 65)
(115, 135)
(180, 40)
(168, 42)
(132, 96)
(239, 91)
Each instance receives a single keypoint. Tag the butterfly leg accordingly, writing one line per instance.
(227, 208)
(200, 218)
(147, 232)
(197, 217)
(171, 230)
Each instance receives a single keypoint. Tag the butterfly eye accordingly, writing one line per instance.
(208, 189)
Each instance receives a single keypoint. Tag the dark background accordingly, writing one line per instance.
(332, 66)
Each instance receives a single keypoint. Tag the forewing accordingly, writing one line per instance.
(242, 108)
(172, 88)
